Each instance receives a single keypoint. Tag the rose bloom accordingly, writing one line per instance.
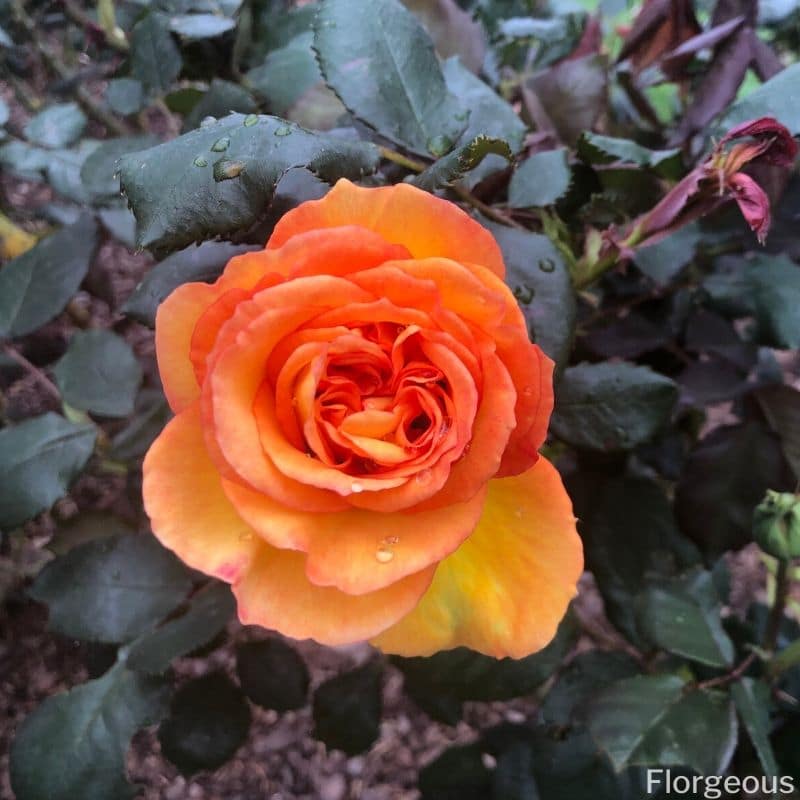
(358, 414)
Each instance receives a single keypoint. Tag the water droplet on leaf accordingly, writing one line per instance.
(250, 120)
(226, 170)
(200, 162)
(221, 145)
(207, 122)
(547, 265)
(439, 145)
(283, 130)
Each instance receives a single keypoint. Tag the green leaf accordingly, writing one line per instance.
(611, 406)
(286, 73)
(98, 171)
(86, 527)
(125, 95)
(99, 373)
(155, 59)
(204, 263)
(111, 590)
(347, 709)
(177, 200)
(540, 280)
(440, 683)
(725, 477)
(489, 114)
(151, 414)
(74, 744)
(207, 614)
(650, 720)
(540, 180)
(200, 26)
(39, 459)
(452, 167)
(609, 509)
(37, 285)
(594, 148)
(384, 69)
(459, 773)
(766, 287)
(57, 126)
(752, 699)
(664, 260)
(272, 674)
(208, 721)
(120, 223)
(682, 615)
(513, 775)
(221, 99)
(774, 98)
(781, 407)
(565, 704)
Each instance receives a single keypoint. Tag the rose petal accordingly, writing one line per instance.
(505, 590)
(275, 593)
(359, 551)
(782, 149)
(401, 214)
(188, 510)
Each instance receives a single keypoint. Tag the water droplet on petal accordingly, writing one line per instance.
(384, 555)
(221, 145)
(200, 162)
(356, 487)
(391, 539)
(424, 476)
(250, 120)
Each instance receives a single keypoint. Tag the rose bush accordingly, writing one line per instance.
(355, 448)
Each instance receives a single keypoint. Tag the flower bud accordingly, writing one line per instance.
(776, 525)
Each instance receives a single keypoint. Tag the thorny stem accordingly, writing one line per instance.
(403, 161)
(81, 93)
(37, 373)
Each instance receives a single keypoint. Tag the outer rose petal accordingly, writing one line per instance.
(275, 593)
(753, 203)
(402, 214)
(505, 590)
(359, 551)
(189, 512)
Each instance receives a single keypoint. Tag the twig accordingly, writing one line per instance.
(487, 210)
(81, 93)
(403, 161)
(37, 373)
(729, 677)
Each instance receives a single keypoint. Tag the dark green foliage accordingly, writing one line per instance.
(39, 459)
(272, 674)
(347, 709)
(111, 590)
(208, 720)
(74, 744)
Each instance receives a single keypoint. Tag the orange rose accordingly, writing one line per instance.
(358, 413)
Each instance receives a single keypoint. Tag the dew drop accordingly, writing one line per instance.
(391, 539)
(356, 487)
(424, 476)
(283, 130)
(384, 555)
(207, 122)
(524, 294)
(221, 145)
(250, 120)
(547, 265)
(226, 170)
(200, 162)
(439, 145)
